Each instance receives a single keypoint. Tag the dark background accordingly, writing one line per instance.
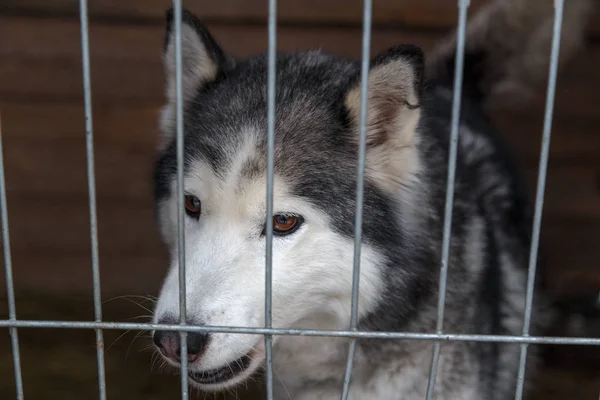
(41, 106)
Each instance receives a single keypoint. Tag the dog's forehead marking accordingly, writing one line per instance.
(245, 165)
(240, 190)
(252, 169)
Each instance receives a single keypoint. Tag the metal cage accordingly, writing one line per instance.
(13, 324)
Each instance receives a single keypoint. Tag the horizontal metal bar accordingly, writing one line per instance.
(303, 332)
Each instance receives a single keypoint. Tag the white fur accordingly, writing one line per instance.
(319, 358)
(225, 266)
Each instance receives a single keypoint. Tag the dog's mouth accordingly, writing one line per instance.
(223, 374)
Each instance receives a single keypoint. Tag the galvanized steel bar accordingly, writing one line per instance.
(180, 197)
(463, 6)
(269, 212)
(10, 286)
(360, 187)
(91, 177)
(450, 337)
(541, 185)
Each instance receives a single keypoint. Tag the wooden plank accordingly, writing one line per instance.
(570, 247)
(51, 245)
(428, 13)
(66, 273)
(42, 60)
(43, 57)
(125, 126)
(570, 191)
(423, 14)
(58, 167)
(43, 38)
(59, 224)
(575, 141)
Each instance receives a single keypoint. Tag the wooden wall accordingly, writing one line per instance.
(43, 128)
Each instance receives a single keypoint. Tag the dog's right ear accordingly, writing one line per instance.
(202, 61)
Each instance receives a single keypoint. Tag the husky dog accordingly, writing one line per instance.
(316, 151)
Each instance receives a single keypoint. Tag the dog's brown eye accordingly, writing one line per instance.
(192, 206)
(285, 224)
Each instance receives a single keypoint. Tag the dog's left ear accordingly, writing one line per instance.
(202, 61)
(394, 95)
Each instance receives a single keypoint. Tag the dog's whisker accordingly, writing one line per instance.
(282, 384)
(129, 297)
(138, 335)
(117, 339)
(146, 348)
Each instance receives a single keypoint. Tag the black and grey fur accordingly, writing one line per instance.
(409, 122)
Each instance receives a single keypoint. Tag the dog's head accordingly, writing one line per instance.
(317, 135)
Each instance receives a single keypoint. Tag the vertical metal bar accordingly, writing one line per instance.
(270, 166)
(463, 6)
(91, 176)
(10, 287)
(541, 185)
(360, 186)
(180, 198)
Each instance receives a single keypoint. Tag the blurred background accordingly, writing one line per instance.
(41, 106)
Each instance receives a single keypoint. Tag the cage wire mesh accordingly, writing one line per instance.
(12, 323)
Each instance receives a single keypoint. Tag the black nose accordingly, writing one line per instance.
(169, 343)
